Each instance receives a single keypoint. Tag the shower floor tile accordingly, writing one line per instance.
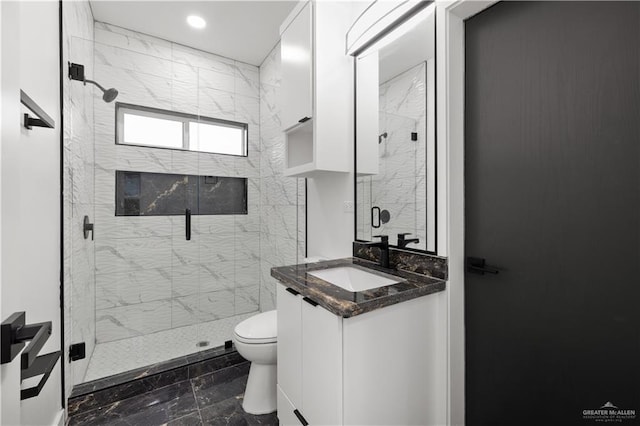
(127, 354)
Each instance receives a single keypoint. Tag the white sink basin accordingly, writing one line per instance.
(354, 279)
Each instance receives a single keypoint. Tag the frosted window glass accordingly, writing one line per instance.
(153, 127)
(216, 138)
(150, 131)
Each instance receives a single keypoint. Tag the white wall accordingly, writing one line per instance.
(329, 227)
(282, 227)
(9, 116)
(1, 137)
(450, 98)
(38, 198)
(450, 78)
(31, 195)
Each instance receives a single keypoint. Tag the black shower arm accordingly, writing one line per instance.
(96, 83)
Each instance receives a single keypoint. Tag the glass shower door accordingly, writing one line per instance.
(227, 227)
(159, 295)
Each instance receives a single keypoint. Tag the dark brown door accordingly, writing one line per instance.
(552, 184)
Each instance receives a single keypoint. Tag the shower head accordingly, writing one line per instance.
(382, 137)
(76, 72)
(108, 95)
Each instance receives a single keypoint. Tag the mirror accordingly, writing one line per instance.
(395, 135)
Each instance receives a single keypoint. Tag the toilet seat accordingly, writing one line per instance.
(259, 329)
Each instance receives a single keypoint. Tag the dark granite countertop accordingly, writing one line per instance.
(346, 303)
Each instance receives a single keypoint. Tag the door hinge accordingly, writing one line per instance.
(77, 351)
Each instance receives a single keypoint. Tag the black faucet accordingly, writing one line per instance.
(402, 242)
(384, 249)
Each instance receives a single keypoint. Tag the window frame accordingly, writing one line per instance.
(184, 118)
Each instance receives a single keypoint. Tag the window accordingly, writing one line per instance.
(220, 138)
(157, 128)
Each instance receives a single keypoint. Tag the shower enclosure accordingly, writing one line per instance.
(152, 282)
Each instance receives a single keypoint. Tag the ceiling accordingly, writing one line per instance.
(242, 30)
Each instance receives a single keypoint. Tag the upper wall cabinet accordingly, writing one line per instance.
(317, 78)
(296, 51)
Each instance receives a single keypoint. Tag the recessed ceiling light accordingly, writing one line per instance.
(196, 22)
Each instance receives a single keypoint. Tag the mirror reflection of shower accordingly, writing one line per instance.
(76, 72)
(383, 147)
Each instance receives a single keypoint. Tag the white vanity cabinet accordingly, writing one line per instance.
(309, 361)
(381, 367)
(316, 88)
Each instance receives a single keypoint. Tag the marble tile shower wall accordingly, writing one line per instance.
(78, 193)
(148, 277)
(400, 185)
(283, 198)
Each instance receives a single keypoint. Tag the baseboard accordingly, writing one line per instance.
(59, 419)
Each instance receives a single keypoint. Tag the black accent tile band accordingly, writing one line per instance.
(161, 194)
(419, 263)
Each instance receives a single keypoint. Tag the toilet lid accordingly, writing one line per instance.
(261, 328)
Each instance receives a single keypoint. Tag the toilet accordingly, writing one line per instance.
(256, 340)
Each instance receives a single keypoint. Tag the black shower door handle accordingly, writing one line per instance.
(187, 224)
(87, 227)
(373, 216)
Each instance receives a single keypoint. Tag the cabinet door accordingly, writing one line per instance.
(321, 366)
(290, 345)
(296, 55)
(286, 410)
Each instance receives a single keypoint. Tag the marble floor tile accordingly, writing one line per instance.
(164, 412)
(152, 408)
(212, 390)
(219, 397)
(192, 419)
(214, 399)
(230, 412)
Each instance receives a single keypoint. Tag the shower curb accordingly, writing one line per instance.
(97, 393)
